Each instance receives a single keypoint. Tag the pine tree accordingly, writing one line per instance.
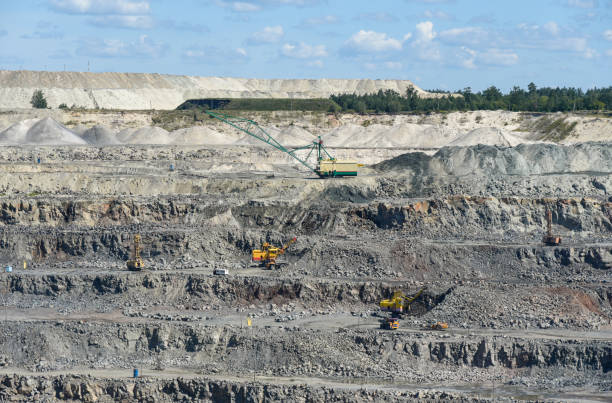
(38, 100)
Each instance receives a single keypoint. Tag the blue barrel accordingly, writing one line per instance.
(171, 167)
(135, 372)
(8, 269)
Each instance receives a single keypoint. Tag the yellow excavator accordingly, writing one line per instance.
(267, 255)
(550, 239)
(137, 263)
(398, 304)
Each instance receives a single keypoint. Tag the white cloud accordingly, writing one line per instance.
(258, 5)
(145, 47)
(304, 51)
(194, 53)
(437, 14)
(101, 6)
(589, 53)
(467, 57)
(267, 35)
(424, 42)
(243, 7)
(213, 55)
(498, 57)
(608, 34)
(552, 28)
(537, 37)
(609, 52)
(472, 59)
(466, 35)
(425, 32)
(123, 21)
(316, 63)
(372, 42)
(582, 3)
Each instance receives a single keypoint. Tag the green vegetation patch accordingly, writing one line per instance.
(554, 129)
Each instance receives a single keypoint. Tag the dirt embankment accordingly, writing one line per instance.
(130, 91)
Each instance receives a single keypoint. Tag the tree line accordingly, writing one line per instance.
(533, 99)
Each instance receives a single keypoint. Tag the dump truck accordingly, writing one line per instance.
(267, 256)
(390, 324)
(439, 326)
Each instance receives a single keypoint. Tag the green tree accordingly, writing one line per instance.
(38, 100)
(532, 88)
(360, 107)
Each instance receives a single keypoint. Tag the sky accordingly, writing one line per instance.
(437, 44)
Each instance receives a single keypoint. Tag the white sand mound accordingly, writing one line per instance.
(44, 131)
(202, 135)
(377, 135)
(50, 132)
(149, 135)
(341, 135)
(293, 136)
(80, 129)
(125, 134)
(100, 135)
(16, 133)
(289, 137)
(484, 135)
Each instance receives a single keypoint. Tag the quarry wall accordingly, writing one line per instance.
(135, 91)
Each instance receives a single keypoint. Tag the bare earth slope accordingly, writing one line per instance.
(133, 91)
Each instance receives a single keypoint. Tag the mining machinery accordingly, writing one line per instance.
(136, 264)
(550, 239)
(267, 255)
(326, 166)
(398, 305)
(439, 326)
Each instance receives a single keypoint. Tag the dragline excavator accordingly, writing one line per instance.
(326, 165)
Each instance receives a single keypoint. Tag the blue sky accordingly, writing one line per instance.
(447, 44)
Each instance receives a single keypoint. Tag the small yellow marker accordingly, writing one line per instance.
(25, 265)
(249, 322)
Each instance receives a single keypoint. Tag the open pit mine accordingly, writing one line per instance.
(158, 255)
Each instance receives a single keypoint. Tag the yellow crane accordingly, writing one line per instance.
(267, 255)
(137, 263)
